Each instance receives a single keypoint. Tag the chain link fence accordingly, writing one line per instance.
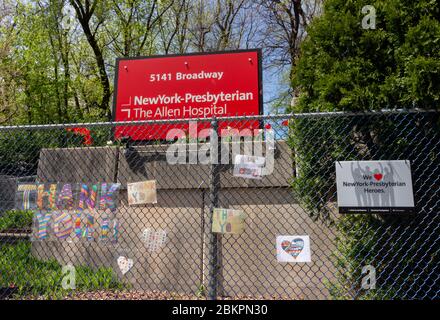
(70, 227)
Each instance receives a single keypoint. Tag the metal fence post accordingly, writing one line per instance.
(213, 203)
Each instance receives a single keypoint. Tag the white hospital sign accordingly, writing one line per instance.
(374, 186)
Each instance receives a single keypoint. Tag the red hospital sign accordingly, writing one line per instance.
(184, 87)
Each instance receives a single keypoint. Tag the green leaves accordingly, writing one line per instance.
(36, 278)
(344, 67)
(16, 219)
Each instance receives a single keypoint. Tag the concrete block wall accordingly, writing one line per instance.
(249, 266)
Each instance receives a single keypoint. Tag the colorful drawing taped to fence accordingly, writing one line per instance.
(26, 196)
(250, 167)
(62, 224)
(41, 222)
(293, 249)
(228, 221)
(154, 239)
(141, 192)
(71, 211)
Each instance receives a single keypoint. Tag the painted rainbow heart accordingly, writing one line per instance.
(293, 247)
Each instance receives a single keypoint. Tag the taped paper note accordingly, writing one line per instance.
(142, 192)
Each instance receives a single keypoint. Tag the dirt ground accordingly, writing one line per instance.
(150, 295)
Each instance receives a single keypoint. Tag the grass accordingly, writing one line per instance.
(31, 277)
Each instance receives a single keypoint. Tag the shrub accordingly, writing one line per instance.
(35, 278)
(402, 248)
(344, 67)
(16, 219)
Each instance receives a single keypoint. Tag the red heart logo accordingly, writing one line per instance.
(378, 176)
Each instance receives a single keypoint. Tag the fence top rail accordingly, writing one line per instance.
(229, 118)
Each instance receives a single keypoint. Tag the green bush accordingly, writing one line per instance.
(16, 219)
(401, 247)
(35, 278)
(343, 67)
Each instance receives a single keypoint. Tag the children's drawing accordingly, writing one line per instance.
(142, 192)
(228, 221)
(250, 167)
(154, 239)
(26, 197)
(293, 249)
(62, 210)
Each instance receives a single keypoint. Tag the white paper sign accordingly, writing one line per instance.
(293, 249)
(250, 167)
(374, 186)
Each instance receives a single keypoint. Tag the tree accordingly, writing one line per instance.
(58, 34)
(91, 16)
(57, 56)
(222, 25)
(284, 28)
(286, 24)
(346, 67)
(8, 69)
(173, 28)
(136, 24)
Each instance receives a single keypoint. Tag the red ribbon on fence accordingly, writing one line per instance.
(84, 132)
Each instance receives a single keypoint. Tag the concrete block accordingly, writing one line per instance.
(77, 165)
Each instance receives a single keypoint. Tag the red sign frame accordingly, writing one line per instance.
(196, 85)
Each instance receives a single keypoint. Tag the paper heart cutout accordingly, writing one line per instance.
(378, 176)
(125, 264)
(293, 247)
